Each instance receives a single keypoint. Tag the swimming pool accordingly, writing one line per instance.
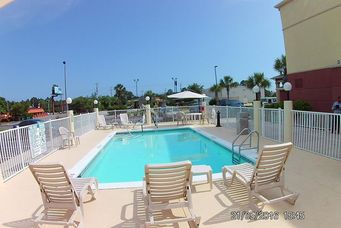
(123, 158)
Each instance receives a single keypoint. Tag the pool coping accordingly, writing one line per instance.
(81, 165)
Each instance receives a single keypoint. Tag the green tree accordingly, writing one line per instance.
(228, 83)
(216, 89)
(82, 104)
(122, 94)
(196, 88)
(259, 80)
(280, 66)
(19, 110)
(3, 105)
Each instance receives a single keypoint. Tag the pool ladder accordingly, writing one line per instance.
(245, 144)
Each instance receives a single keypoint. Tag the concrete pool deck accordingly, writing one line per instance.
(316, 178)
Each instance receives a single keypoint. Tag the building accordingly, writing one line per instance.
(241, 93)
(37, 112)
(312, 36)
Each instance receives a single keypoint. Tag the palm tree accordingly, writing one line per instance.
(280, 66)
(228, 83)
(216, 89)
(259, 80)
(195, 87)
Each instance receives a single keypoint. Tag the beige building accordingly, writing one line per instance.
(312, 36)
(240, 93)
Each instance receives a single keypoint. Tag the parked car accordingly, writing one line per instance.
(28, 122)
(233, 103)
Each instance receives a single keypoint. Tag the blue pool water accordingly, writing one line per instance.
(124, 157)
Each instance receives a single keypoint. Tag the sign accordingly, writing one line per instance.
(37, 138)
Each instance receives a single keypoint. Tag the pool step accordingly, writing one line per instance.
(250, 154)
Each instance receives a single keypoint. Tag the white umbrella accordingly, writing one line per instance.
(187, 95)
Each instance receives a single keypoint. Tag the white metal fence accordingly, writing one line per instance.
(84, 123)
(272, 124)
(318, 132)
(228, 115)
(24, 145)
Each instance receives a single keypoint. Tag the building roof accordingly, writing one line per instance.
(35, 110)
(282, 3)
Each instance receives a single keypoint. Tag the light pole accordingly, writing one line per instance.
(175, 84)
(65, 93)
(287, 87)
(215, 73)
(136, 81)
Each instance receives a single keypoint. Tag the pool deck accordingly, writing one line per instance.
(316, 178)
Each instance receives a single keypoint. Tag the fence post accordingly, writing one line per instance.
(262, 121)
(256, 115)
(148, 114)
(97, 113)
(71, 123)
(280, 121)
(20, 147)
(287, 121)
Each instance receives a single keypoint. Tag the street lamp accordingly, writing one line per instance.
(65, 93)
(215, 74)
(175, 84)
(287, 87)
(68, 101)
(256, 90)
(136, 81)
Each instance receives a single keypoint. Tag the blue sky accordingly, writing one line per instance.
(115, 41)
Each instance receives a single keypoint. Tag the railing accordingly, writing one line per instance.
(244, 144)
(23, 145)
(113, 116)
(272, 123)
(317, 132)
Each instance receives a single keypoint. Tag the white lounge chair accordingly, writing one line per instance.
(181, 117)
(268, 173)
(102, 124)
(68, 137)
(164, 183)
(125, 120)
(62, 196)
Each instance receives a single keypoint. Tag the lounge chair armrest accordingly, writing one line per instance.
(240, 177)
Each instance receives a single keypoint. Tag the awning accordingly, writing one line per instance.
(187, 95)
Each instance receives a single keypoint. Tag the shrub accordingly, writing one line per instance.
(298, 105)
(302, 105)
(212, 102)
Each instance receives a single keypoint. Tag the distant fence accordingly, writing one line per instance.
(228, 115)
(23, 145)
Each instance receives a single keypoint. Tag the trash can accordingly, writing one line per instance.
(242, 122)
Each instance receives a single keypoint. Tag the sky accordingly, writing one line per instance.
(116, 41)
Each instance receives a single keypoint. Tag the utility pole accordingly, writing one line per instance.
(65, 92)
(96, 90)
(136, 91)
(111, 90)
(215, 73)
(175, 84)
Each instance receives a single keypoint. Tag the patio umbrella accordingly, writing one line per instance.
(187, 95)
